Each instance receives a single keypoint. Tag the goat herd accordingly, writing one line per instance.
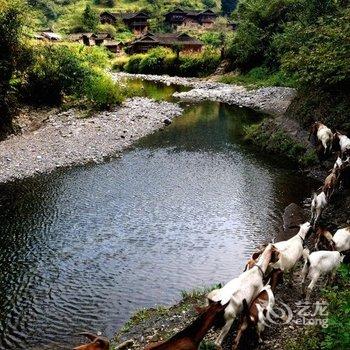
(251, 294)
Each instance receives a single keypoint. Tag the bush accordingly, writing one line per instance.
(157, 61)
(164, 61)
(133, 64)
(318, 55)
(12, 54)
(70, 70)
(119, 63)
(199, 64)
(259, 77)
(103, 92)
(268, 136)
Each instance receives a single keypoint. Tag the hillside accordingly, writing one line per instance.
(62, 14)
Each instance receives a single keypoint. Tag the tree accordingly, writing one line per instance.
(209, 3)
(90, 18)
(11, 25)
(110, 3)
(227, 6)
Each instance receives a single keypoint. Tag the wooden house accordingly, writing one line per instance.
(99, 39)
(183, 42)
(48, 35)
(135, 21)
(87, 39)
(178, 17)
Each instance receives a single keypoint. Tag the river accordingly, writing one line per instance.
(82, 249)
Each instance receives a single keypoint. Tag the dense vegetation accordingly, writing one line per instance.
(300, 43)
(47, 73)
(337, 335)
(165, 61)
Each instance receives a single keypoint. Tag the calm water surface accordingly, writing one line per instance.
(84, 248)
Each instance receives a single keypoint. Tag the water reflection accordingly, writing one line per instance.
(82, 249)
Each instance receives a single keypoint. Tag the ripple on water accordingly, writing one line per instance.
(82, 249)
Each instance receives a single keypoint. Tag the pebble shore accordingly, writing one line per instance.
(66, 139)
(270, 100)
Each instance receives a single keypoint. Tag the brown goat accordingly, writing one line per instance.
(252, 260)
(96, 342)
(190, 337)
(324, 240)
(264, 301)
(331, 182)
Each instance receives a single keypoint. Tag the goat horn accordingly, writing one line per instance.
(88, 335)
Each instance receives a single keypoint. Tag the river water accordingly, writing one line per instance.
(81, 249)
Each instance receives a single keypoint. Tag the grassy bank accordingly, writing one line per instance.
(268, 136)
(259, 77)
(337, 335)
(160, 322)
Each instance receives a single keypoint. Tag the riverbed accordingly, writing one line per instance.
(83, 248)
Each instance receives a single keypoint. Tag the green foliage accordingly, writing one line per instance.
(247, 47)
(157, 61)
(209, 3)
(227, 6)
(318, 54)
(70, 70)
(103, 92)
(337, 334)
(331, 106)
(90, 19)
(164, 61)
(274, 140)
(201, 64)
(13, 56)
(259, 77)
(306, 39)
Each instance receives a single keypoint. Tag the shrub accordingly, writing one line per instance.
(260, 76)
(133, 64)
(11, 53)
(120, 62)
(318, 55)
(164, 61)
(103, 92)
(157, 61)
(73, 70)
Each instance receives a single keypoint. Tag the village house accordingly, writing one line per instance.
(135, 21)
(178, 17)
(99, 39)
(48, 35)
(182, 42)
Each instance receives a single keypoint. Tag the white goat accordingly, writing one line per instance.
(291, 251)
(341, 239)
(317, 264)
(318, 204)
(247, 286)
(338, 164)
(258, 312)
(324, 135)
(344, 143)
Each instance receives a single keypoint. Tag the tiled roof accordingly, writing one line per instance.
(168, 39)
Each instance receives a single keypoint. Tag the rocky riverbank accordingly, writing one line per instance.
(271, 100)
(63, 139)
